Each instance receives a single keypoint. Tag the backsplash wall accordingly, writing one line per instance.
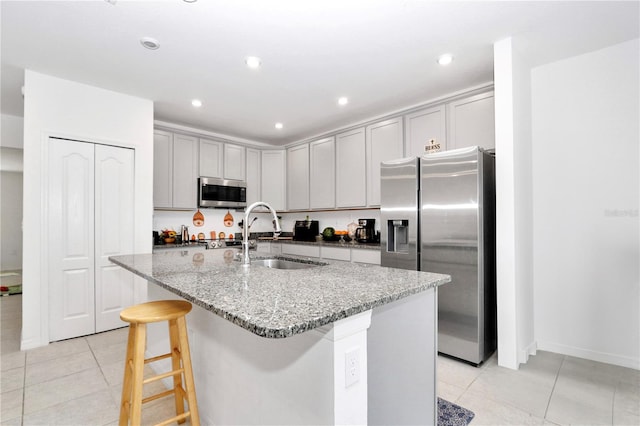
(214, 220)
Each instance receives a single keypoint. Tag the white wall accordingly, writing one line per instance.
(11, 133)
(586, 190)
(513, 204)
(56, 107)
(11, 166)
(10, 220)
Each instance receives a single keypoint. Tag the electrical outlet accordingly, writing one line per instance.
(352, 367)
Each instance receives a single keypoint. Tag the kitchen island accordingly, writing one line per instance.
(336, 343)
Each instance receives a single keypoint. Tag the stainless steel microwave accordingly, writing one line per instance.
(222, 193)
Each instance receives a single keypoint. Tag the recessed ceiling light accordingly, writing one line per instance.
(253, 61)
(150, 43)
(279, 126)
(445, 59)
(196, 103)
(343, 101)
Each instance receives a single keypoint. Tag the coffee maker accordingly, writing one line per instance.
(366, 233)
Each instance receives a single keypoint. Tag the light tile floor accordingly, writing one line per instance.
(77, 382)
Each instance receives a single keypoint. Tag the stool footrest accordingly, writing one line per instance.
(175, 419)
(162, 376)
(159, 357)
(159, 395)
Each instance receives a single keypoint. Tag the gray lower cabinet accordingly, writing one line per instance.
(365, 256)
(336, 253)
(348, 254)
(301, 250)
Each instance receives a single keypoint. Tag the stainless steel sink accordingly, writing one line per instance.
(277, 263)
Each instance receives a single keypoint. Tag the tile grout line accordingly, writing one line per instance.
(613, 401)
(546, 410)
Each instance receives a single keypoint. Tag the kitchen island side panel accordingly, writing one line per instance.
(401, 356)
(245, 379)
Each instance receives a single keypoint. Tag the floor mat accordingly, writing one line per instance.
(450, 414)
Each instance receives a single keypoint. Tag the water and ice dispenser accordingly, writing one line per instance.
(398, 235)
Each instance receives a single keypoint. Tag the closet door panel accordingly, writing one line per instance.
(70, 237)
(114, 198)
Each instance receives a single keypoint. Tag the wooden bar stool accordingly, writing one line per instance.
(138, 317)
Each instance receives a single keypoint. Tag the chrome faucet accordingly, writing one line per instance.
(245, 235)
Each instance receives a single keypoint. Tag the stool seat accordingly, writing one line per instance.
(183, 390)
(161, 310)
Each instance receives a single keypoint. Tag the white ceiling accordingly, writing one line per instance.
(379, 53)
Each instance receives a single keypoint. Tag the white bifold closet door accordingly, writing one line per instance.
(91, 212)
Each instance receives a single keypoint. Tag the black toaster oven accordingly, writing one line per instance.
(305, 230)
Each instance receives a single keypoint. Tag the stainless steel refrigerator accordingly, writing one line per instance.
(438, 214)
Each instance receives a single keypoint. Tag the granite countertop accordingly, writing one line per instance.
(276, 303)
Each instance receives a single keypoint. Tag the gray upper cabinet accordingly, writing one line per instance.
(234, 162)
(211, 158)
(175, 166)
(341, 171)
(253, 174)
(351, 183)
(425, 130)
(384, 142)
(298, 177)
(471, 122)
(185, 172)
(162, 169)
(273, 178)
(322, 174)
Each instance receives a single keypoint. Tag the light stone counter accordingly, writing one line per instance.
(276, 303)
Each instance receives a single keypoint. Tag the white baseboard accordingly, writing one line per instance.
(608, 358)
(524, 354)
(26, 344)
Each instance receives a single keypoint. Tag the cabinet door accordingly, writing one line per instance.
(273, 178)
(211, 158)
(322, 174)
(298, 177)
(253, 176)
(162, 169)
(276, 248)
(471, 122)
(351, 183)
(71, 239)
(424, 129)
(337, 253)
(301, 250)
(114, 223)
(185, 172)
(234, 162)
(365, 256)
(384, 142)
